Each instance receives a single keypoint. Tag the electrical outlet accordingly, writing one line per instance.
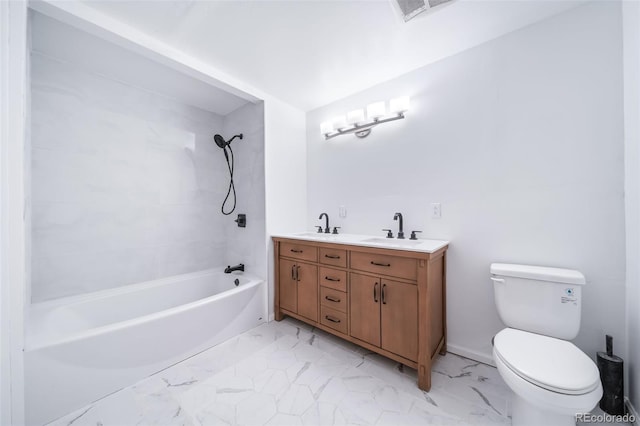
(436, 211)
(342, 211)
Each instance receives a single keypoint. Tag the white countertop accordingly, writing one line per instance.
(419, 245)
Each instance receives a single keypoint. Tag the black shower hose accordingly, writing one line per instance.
(232, 187)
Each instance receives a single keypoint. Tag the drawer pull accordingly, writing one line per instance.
(332, 256)
(332, 299)
(380, 264)
(332, 319)
(332, 279)
(296, 251)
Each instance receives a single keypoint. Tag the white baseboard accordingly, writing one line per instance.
(468, 353)
(631, 409)
(271, 317)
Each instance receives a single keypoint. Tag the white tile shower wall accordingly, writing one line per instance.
(521, 141)
(126, 184)
(246, 245)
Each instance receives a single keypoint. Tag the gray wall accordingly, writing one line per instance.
(521, 140)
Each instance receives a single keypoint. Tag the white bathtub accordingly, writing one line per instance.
(79, 349)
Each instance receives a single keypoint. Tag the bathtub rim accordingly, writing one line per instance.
(39, 343)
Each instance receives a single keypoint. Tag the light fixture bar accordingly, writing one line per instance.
(362, 130)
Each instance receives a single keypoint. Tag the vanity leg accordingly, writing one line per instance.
(277, 314)
(443, 349)
(424, 377)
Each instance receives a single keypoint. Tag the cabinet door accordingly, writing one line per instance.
(364, 308)
(307, 290)
(399, 318)
(288, 286)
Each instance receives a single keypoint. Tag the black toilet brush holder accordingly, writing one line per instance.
(612, 377)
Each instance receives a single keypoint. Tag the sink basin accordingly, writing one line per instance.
(392, 241)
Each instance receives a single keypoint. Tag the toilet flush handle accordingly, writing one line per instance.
(498, 280)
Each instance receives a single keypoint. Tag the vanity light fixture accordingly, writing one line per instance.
(355, 120)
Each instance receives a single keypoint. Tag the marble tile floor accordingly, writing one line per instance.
(288, 373)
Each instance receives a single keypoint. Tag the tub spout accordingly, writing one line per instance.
(230, 269)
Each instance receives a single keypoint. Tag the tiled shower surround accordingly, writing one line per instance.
(127, 184)
(247, 245)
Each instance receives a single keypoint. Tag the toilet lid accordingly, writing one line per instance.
(554, 364)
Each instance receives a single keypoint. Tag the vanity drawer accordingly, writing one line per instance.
(334, 257)
(333, 319)
(333, 299)
(299, 251)
(333, 278)
(394, 266)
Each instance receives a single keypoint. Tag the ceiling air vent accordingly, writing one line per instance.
(409, 9)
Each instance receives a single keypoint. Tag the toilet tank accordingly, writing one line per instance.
(539, 299)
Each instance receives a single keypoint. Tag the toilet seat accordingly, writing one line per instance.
(552, 364)
(544, 399)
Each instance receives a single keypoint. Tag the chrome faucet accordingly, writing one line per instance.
(230, 269)
(400, 231)
(326, 228)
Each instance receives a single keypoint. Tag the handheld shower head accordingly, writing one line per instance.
(222, 143)
(219, 140)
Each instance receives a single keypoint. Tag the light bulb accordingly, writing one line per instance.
(339, 122)
(376, 110)
(355, 117)
(399, 105)
(326, 127)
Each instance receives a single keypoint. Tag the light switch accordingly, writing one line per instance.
(342, 211)
(436, 211)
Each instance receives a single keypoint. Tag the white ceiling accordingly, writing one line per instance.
(310, 53)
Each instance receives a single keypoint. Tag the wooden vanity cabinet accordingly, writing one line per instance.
(388, 301)
(333, 295)
(399, 318)
(299, 282)
(384, 313)
(364, 308)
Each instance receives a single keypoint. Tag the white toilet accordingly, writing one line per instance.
(551, 378)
